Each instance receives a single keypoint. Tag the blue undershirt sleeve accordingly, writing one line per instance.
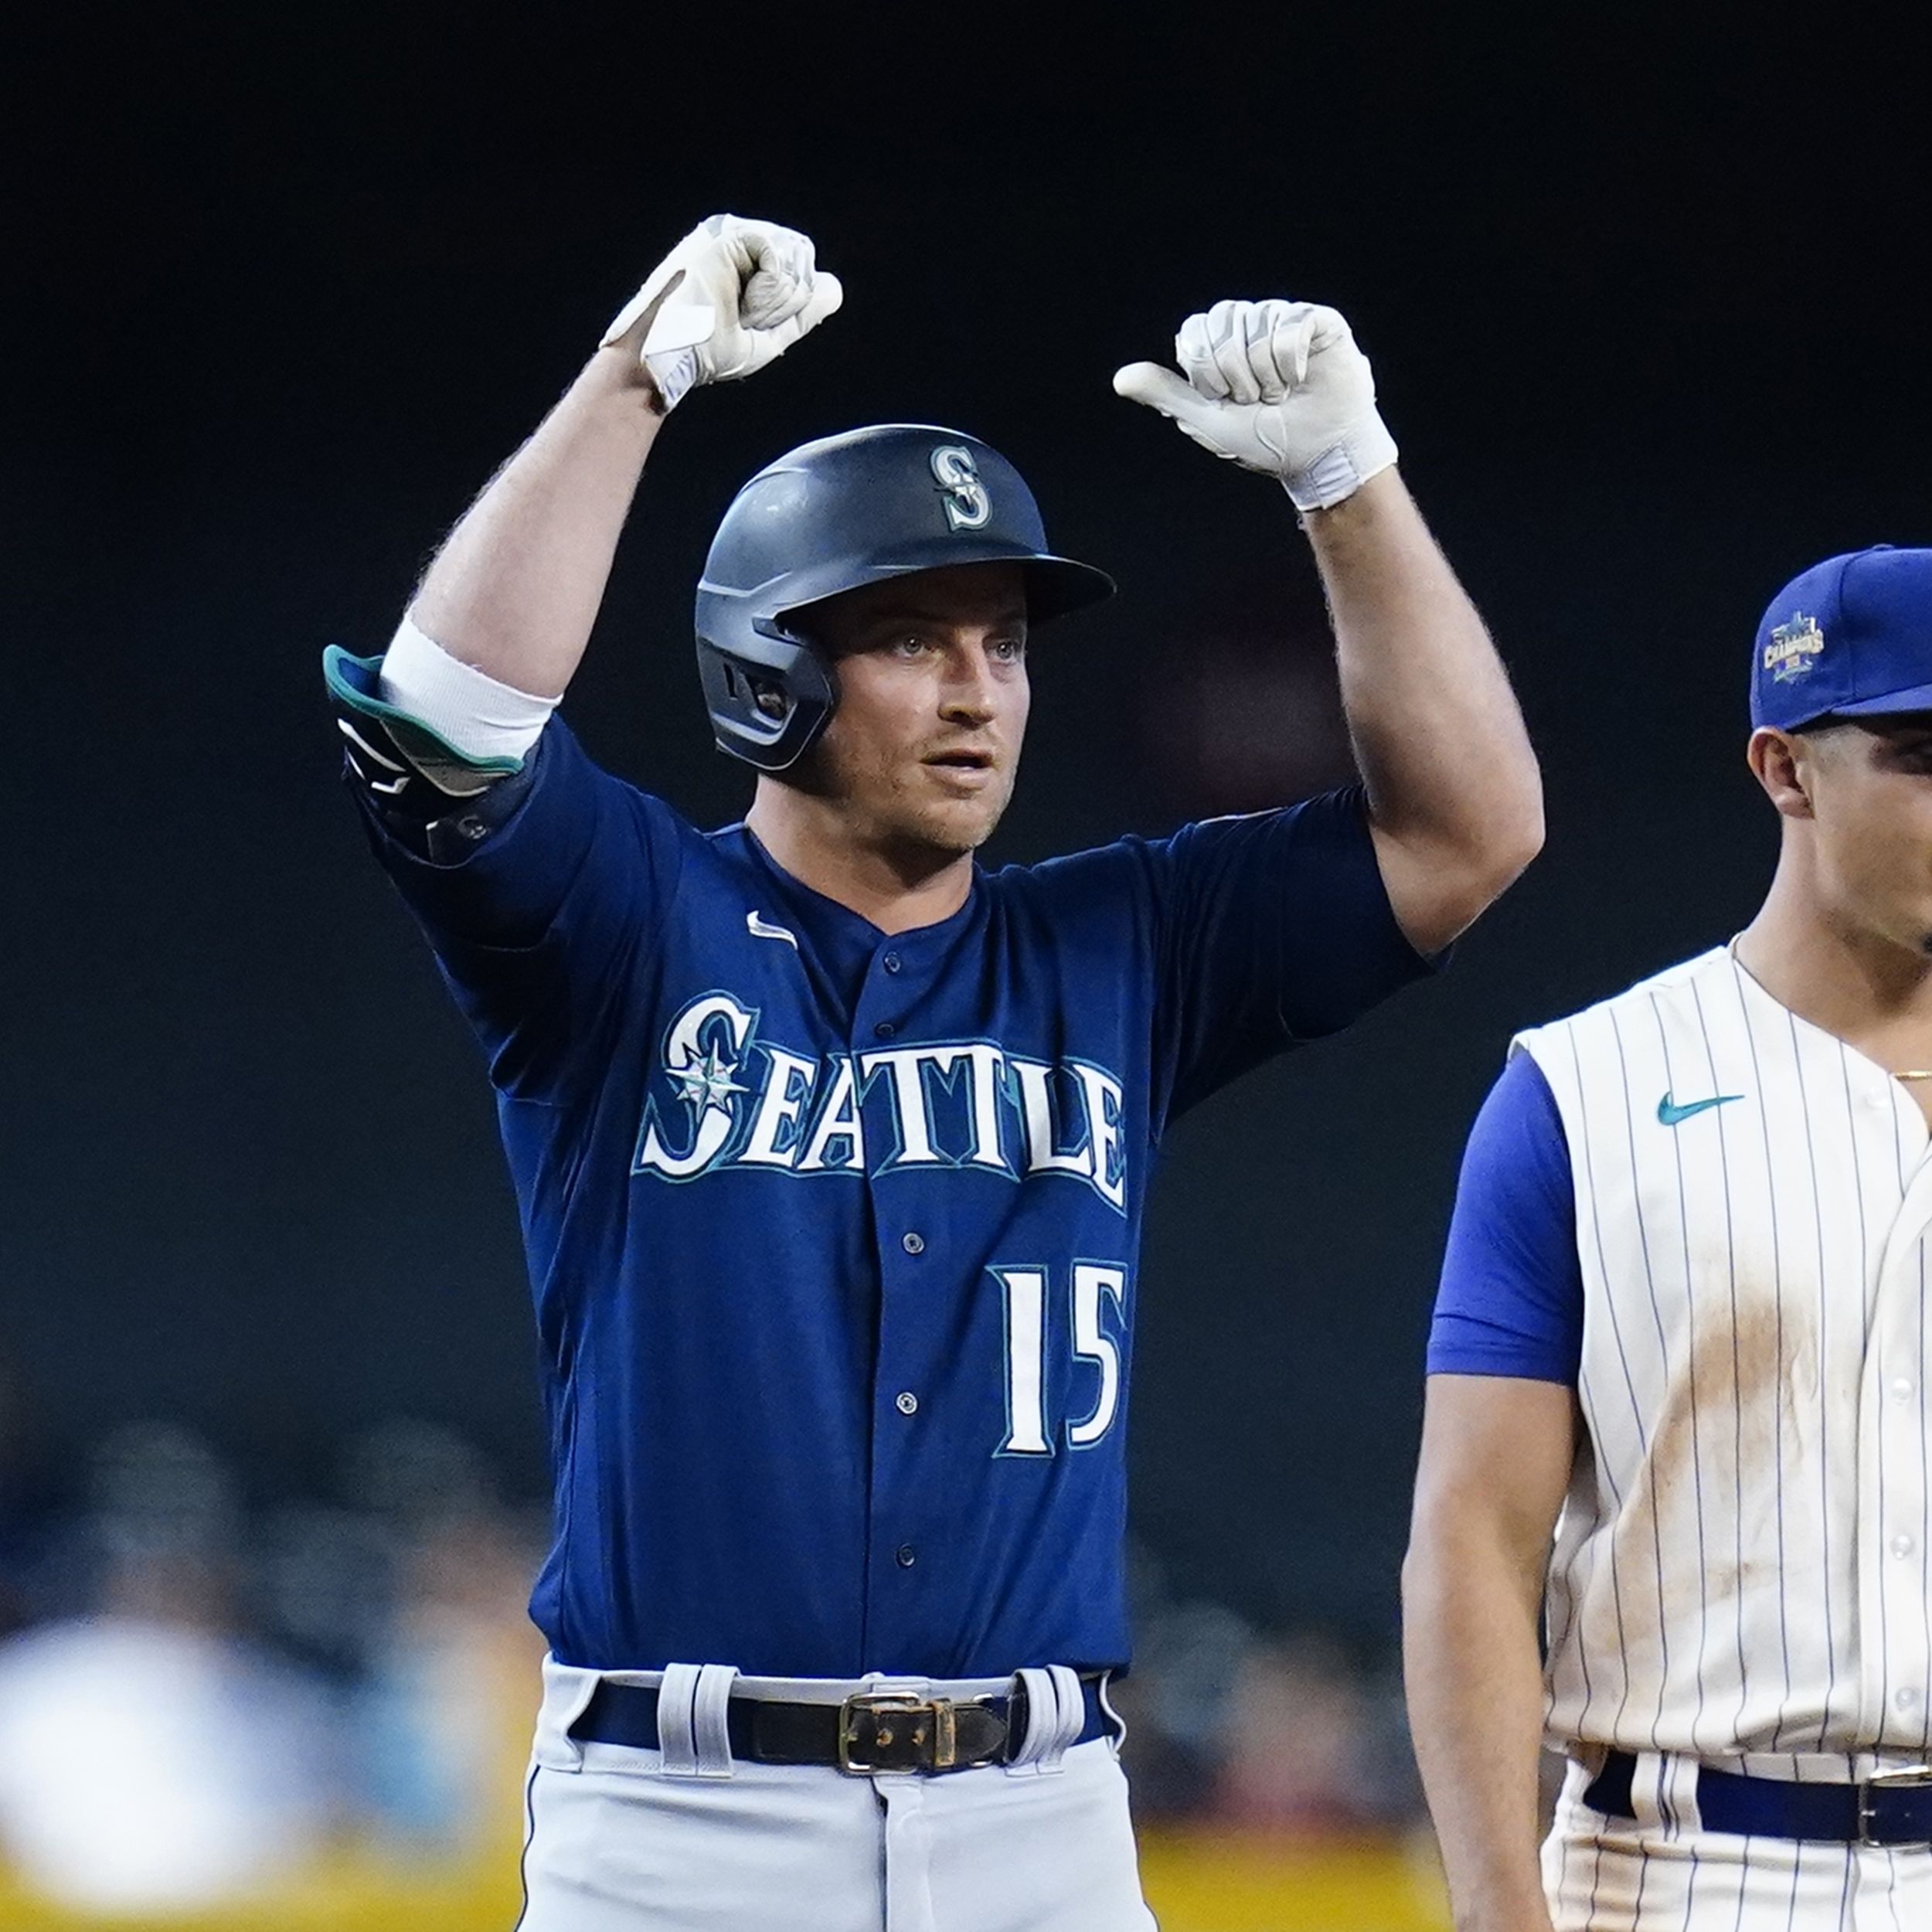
(1511, 1301)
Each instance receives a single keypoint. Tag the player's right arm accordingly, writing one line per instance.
(515, 588)
(535, 875)
(516, 585)
(1496, 1453)
(1499, 1436)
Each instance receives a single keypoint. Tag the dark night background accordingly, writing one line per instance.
(1642, 298)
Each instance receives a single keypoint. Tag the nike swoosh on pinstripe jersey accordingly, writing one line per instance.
(1670, 1114)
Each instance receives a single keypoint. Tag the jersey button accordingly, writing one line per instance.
(1902, 1545)
(885, 1029)
(890, 962)
(906, 1402)
(1902, 1387)
(904, 1555)
(913, 1242)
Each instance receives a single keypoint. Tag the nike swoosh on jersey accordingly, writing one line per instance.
(761, 928)
(1670, 1114)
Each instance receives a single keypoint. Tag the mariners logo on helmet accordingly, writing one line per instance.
(967, 506)
(830, 516)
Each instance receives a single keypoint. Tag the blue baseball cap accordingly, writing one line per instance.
(1851, 638)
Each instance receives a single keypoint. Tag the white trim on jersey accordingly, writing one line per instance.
(1743, 1565)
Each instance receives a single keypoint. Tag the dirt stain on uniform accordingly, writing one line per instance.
(1730, 1396)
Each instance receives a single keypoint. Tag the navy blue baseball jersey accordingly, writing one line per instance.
(833, 1233)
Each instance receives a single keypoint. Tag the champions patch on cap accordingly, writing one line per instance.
(1793, 647)
(1850, 637)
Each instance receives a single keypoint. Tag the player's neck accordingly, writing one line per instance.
(1861, 985)
(895, 887)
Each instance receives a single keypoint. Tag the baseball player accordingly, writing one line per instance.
(831, 1148)
(1683, 1326)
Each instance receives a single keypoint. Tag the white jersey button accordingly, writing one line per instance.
(913, 1242)
(1902, 1545)
(1907, 1699)
(907, 1402)
(1902, 1388)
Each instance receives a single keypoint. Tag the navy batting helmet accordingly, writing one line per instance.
(832, 515)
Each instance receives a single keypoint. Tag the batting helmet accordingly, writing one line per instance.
(833, 515)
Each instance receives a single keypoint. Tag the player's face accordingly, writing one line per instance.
(923, 747)
(1870, 787)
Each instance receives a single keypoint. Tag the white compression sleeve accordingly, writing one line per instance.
(466, 708)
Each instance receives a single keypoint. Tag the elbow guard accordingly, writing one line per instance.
(439, 800)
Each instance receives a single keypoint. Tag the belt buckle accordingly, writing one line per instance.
(895, 1732)
(1908, 1777)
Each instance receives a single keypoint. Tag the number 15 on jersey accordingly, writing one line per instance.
(1096, 1284)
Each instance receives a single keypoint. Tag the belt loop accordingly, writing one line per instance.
(1066, 1681)
(710, 1725)
(1677, 1794)
(1649, 1802)
(1055, 1714)
(567, 1690)
(677, 1733)
(1117, 1724)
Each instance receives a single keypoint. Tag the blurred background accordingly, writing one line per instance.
(284, 286)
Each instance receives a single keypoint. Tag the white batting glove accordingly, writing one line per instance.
(1276, 387)
(731, 296)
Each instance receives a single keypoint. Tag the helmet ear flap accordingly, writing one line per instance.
(764, 695)
(768, 701)
(764, 713)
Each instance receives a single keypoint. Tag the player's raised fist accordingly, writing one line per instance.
(730, 298)
(1276, 387)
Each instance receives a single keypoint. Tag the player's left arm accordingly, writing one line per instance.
(1455, 800)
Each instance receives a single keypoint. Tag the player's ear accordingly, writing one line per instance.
(1784, 763)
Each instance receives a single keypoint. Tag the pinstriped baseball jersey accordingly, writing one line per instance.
(1742, 1564)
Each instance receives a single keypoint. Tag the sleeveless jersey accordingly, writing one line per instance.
(1742, 1565)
